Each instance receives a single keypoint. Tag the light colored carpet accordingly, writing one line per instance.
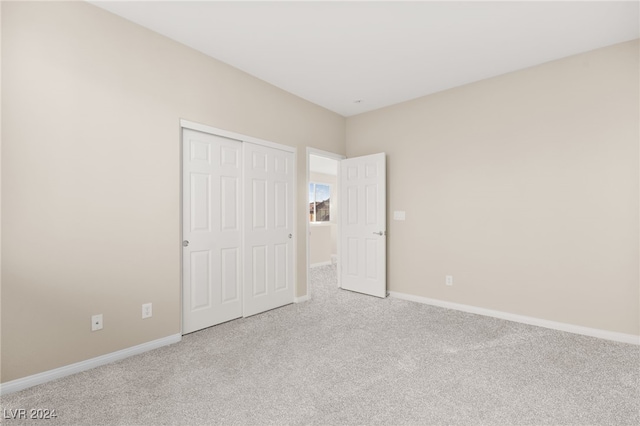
(345, 358)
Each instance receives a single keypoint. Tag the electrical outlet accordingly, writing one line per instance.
(147, 310)
(96, 322)
(449, 280)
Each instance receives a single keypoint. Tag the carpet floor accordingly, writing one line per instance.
(347, 359)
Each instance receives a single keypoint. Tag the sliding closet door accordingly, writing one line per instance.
(268, 240)
(212, 230)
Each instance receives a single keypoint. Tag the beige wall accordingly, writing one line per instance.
(320, 244)
(524, 187)
(91, 175)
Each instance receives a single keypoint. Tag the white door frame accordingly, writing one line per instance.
(338, 158)
(186, 124)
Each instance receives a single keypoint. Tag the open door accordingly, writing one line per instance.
(363, 225)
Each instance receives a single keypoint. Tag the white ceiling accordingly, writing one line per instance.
(334, 53)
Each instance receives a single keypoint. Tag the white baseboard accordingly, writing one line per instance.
(314, 265)
(301, 298)
(67, 370)
(586, 331)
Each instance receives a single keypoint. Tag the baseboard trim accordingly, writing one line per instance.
(576, 329)
(67, 370)
(301, 298)
(315, 265)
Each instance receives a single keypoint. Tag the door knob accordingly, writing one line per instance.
(290, 236)
(185, 243)
(381, 233)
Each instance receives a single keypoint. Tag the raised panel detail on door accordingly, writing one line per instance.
(200, 151)
(268, 238)
(371, 258)
(259, 162)
(281, 266)
(280, 213)
(200, 283)
(200, 193)
(229, 203)
(212, 226)
(259, 270)
(352, 205)
(371, 171)
(259, 203)
(371, 205)
(352, 173)
(281, 165)
(230, 274)
(353, 260)
(230, 156)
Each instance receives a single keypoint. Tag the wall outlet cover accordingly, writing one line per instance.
(96, 322)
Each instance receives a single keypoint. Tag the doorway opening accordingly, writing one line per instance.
(323, 169)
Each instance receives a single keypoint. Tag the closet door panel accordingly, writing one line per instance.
(268, 237)
(212, 231)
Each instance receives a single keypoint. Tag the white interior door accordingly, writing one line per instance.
(268, 239)
(363, 225)
(212, 230)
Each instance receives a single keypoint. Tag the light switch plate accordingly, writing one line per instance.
(147, 310)
(398, 215)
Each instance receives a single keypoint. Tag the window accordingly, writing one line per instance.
(319, 202)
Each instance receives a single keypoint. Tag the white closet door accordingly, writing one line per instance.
(363, 224)
(212, 230)
(268, 243)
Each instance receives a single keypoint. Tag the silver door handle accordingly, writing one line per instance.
(185, 243)
(290, 236)
(381, 233)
